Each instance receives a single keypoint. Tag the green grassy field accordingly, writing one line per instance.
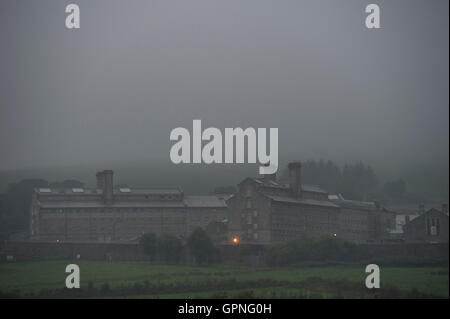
(221, 281)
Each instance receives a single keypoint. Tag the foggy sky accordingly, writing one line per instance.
(114, 89)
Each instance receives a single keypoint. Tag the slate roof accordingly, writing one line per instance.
(95, 191)
(278, 185)
(294, 201)
(187, 201)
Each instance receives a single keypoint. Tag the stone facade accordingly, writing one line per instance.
(264, 211)
(429, 227)
(107, 214)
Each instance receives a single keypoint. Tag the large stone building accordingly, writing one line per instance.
(109, 214)
(264, 211)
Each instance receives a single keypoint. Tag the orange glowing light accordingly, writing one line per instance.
(235, 240)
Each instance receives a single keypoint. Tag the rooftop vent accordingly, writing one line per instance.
(124, 190)
(77, 190)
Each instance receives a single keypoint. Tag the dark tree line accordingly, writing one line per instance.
(394, 189)
(230, 189)
(167, 248)
(170, 249)
(15, 203)
(355, 181)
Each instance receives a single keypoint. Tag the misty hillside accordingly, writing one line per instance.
(202, 179)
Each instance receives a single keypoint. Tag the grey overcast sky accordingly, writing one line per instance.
(114, 89)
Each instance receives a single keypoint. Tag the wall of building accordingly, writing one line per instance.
(354, 225)
(292, 221)
(249, 215)
(431, 227)
(105, 225)
(278, 221)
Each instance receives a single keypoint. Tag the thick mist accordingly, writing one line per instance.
(114, 89)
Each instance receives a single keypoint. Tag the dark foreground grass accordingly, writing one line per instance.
(145, 280)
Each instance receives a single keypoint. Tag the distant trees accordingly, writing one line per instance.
(167, 248)
(170, 249)
(326, 174)
(15, 206)
(356, 181)
(230, 189)
(68, 183)
(394, 189)
(311, 249)
(201, 247)
(149, 244)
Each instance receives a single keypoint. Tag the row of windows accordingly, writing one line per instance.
(118, 210)
(252, 234)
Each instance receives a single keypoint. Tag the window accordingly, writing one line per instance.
(433, 226)
(433, 231)
(249, 203)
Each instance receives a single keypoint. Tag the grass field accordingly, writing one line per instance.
(144, 280)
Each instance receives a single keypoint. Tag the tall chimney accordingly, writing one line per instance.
(108, 186)
(421, 209)
(100, 180)
(294, 179)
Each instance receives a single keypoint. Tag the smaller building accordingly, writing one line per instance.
(403, 218)
(429, 227)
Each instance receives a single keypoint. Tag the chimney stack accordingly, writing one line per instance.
(294, 179)
(421, 209)
(100, 180)
(108, 187)
(105, 183)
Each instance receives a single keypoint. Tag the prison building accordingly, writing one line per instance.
(264, 211)
(108, 214)
(363, 222)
